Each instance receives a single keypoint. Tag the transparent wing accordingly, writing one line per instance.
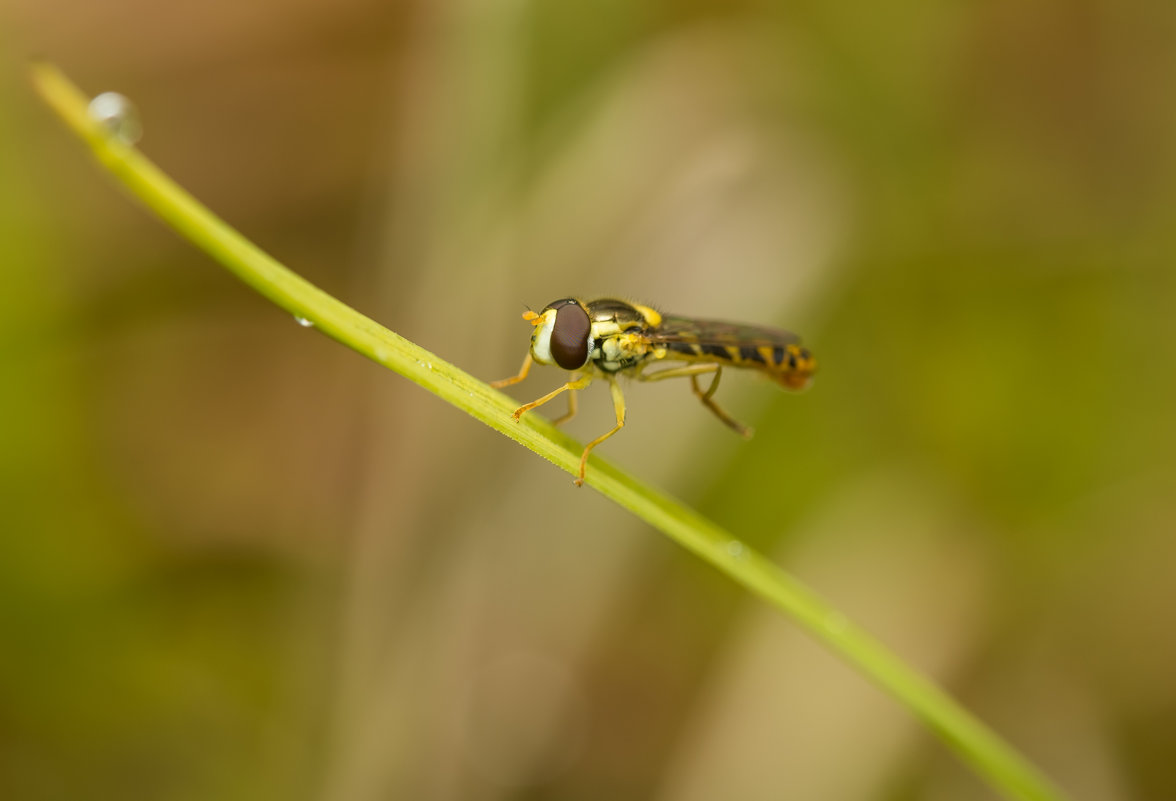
(716, 332)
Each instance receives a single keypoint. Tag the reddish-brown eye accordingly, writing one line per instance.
(570, 334)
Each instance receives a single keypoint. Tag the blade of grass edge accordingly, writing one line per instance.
(994, 759)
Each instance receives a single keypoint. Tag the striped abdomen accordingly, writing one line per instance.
(790, 364)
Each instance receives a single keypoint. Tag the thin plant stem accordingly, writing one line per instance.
(991, 757)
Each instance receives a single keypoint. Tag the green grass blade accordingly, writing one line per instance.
(989, 755)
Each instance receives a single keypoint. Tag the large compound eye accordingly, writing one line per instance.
(571, 334)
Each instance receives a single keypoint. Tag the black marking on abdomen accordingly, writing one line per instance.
(751, 353)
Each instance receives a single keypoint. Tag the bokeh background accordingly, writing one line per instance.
(238, 561)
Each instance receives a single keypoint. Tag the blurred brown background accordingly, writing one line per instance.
(240, 562)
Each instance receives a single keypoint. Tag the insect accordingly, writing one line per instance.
(607, 337)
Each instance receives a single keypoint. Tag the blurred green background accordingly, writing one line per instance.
(240, 562)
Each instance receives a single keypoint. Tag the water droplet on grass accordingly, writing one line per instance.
(118, 115)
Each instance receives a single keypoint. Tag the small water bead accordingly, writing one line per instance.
(118, 115)
(736, 549)
(302, 321)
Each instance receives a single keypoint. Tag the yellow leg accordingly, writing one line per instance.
(706, 398)
(579, 383)
(693, 371)
(679, 372)
(571, 404)
(619, 408)
(514, 379)
(714, 384)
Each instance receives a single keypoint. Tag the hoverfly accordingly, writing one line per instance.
(606, 337)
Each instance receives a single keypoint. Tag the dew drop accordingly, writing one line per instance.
(302, 321)
(736, 549)
(118, 115)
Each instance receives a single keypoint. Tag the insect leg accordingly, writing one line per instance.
(679, 372)
(579, 383)
(571, 404)
(618, 407)
(708, 402)
(714, 384)
(514, 379)
(693, 371)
